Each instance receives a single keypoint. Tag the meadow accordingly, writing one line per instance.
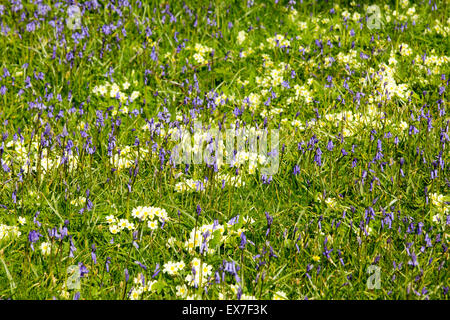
(351, 96)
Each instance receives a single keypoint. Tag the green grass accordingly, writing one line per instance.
(287, 258)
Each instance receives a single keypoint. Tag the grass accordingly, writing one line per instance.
(72, 157)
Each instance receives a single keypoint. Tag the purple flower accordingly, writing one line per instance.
(157, 270)
(269, 219)
(83, 270)
(232, 221)
(35, 220)
(141, 265)
(14, 197)
(153, 55)
(239, 293)
(326, 252)
(243, 241)
(330, 145)
(33, 237)
(413, 262)
(53, 233)
(107, 263)
(72, 248)
(93, 255)
(317, 157)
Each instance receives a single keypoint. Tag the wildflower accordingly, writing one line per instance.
(33, 237)
(330, 202)
(110, 219)
(93, 255)
(137, 213)
(241, 37)
(45, 248)
(181, 291)
(170, 268)
(123, 223)
(152, 224)
(83, 269)
(279, 295)
(114, 229)
(22, 220)
(64, 294)
(135, 294)
(107, 263)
